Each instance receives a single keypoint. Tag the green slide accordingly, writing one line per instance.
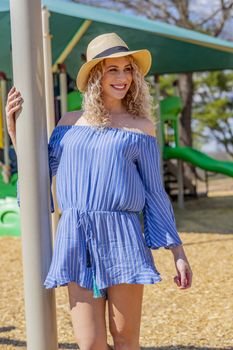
(170, 108)
(198, 159)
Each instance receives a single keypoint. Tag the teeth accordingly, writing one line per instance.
(119, 86)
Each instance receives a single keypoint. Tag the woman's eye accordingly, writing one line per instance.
(128, 69)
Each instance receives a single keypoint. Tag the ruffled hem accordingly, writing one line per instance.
(48, 284)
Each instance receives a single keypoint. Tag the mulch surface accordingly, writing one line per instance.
(197, 318)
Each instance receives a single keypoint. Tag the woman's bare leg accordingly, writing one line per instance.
(125, 305)
(88, 318)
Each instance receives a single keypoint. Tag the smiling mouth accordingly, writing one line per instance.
(119, 87)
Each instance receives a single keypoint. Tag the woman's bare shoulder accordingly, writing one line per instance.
(147, 126)
(70, 118)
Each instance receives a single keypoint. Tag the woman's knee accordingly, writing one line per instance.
(92, 344)
(125, 339)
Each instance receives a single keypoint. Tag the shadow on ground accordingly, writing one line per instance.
(19, 343)
(206, 215)
(22, 344)
(182, 347)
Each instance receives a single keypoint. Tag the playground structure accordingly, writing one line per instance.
(170, 109)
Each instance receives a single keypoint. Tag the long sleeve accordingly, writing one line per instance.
(53, 163)
(52, 172)
(159, 221)
(54, 153)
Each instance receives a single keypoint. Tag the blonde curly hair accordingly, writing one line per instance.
(138, 101)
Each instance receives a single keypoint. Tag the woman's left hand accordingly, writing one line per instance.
(184, 277)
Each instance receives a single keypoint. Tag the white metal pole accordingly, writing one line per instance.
(49, 93)
(63, 89)
(31, 135)
(49, 98)
(159, 128)
(180, 170)
(6, 166)
(180, 181)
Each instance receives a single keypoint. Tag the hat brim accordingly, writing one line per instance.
(142, 57)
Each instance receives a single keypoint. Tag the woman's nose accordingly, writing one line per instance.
(121, 75)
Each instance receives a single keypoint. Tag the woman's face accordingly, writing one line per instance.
(117, 77)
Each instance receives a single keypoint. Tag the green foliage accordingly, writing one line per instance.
(166, 85)
(213, 107)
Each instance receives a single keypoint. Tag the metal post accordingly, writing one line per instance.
(180, 170)
(159, 128)
(206, 182)
(6, 166)
(49, 98)
(49, 93)
(63, 88)
(31, 135)
(180, 184)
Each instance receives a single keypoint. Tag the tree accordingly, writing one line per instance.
(211, 19)
(213, 107)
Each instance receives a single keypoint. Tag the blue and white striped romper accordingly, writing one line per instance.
(104, 179)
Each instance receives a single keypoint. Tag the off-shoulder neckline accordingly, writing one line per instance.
(108, 128)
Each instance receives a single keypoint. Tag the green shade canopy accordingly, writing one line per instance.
(174, 49)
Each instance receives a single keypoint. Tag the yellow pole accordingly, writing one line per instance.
(6, 139)
(49, 98)
(72, 44)
(1, 121)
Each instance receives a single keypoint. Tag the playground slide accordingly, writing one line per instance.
(198, 159)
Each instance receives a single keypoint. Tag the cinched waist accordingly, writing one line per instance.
(101, 211)
(85, 220)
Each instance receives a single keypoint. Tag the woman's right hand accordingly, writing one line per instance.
(13, 105)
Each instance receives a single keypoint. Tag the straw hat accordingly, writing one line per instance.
(107, 46)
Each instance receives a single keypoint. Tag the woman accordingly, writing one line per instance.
(107, 165)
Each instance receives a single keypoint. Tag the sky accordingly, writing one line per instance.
(199, 9)
(202, 8)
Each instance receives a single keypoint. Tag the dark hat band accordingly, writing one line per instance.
(112, 50)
